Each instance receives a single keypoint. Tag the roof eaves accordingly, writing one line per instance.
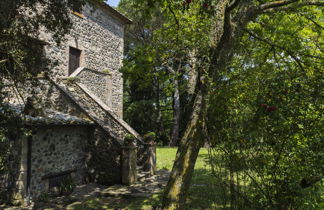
(114, 12)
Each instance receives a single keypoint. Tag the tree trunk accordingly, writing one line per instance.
(159, 121)
(192, 74)
(176, 114)
(179, 182)
(177, 188)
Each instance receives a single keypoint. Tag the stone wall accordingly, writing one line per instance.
(91, 151)
(57, 149)
(86, 152)
(99, 112)
(100, 38)
(9, 188)
(98, 83)
(46, 96)
(103, 162)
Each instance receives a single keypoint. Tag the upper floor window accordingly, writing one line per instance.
(74, 59)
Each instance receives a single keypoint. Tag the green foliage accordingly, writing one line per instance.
(66, 186)
(129, 137)
(10, 129)
(129, 140)
(70, 80)
(265, 116)
(265, 111)
(150, 135)
(159, 47)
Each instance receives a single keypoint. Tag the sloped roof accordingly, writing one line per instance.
(51, 117)
(56, 118)
(113, 12)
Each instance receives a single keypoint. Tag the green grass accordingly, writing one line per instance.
(203, 190)
(166, 156)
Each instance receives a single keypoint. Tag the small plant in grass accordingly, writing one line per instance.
(70, 80)
(66, 186)
(106, 71)
(129, 139)
(149, 137)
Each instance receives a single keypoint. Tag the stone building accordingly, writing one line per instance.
(75, 113)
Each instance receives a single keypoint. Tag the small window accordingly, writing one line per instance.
(74, 59)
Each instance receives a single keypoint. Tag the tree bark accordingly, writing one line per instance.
(192, 74)
(179, 182)
(177, 188)
(176, 114)
(159, 121)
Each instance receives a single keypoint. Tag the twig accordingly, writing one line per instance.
(298, 61)
(3, 61)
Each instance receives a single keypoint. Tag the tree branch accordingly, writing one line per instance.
(277, 7)
(313, 21)
(175, 18)
(276, 46)
(233, 5)
(3, 61)
(275, 4)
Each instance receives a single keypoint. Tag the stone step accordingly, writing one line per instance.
(141, 176)
(125, 191)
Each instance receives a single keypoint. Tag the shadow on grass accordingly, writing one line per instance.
(117, 203)
(206, 192)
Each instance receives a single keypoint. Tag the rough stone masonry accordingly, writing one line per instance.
(78, 129)
(99, 35)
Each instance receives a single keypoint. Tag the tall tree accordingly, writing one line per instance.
(157, 59)
(267, 119)
(229, 23)
(208, 37)
(143, 80)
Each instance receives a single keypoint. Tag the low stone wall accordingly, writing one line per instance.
(99, 113)
(55, 150)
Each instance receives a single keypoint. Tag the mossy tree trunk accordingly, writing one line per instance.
(178, 185)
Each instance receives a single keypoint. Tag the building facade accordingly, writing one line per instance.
(74, 113)
(96, 43)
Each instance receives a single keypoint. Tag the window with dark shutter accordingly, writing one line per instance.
(74, 59)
